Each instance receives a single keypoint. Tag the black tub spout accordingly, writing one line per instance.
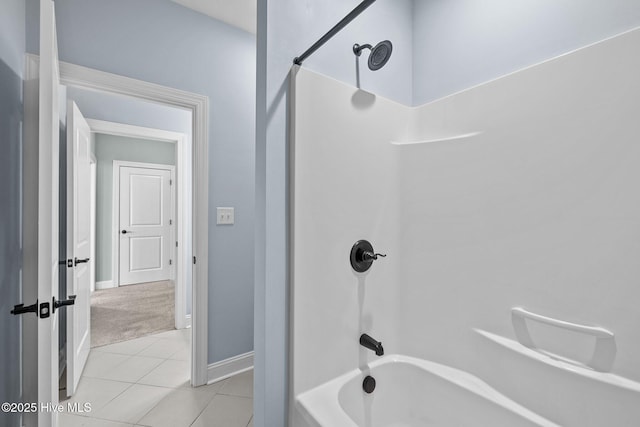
(368, 342)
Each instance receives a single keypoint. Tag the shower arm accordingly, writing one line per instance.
(358, 48)
(332, 32)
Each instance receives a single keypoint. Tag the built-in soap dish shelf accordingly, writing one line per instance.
(604, 348)
(570, 366)
(440, 138)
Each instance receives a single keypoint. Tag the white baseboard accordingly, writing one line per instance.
(229, 367)
(105, 284)
(187, 321)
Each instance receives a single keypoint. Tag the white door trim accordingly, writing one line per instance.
(94, 189)
(75, 75)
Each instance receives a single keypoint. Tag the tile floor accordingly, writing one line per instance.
(145, 382)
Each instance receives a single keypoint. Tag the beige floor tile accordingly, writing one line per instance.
(130, 347)
(99, 364)
(132, 369)
(162, 348)
(179, 409)
(68, 420)
(226, 411)
(97, 392)
(170, 373)
(239, 385)
(133, 404)
(181, 335)
(184, 354)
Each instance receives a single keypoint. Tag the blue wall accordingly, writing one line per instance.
(462, 43)
(131, 111)
(162, 42)
(12, 48)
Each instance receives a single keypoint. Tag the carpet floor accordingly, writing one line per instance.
(133, 311)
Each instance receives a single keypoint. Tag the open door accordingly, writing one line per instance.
(47, 239)
(78, 244)
(40, 228)
(48, 183)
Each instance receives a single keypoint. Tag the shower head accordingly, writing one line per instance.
(379, 55)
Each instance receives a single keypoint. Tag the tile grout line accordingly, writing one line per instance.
(177, 342)
(154, 406)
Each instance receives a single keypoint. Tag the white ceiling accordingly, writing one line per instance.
(239, 13)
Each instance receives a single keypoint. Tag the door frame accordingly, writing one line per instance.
(87, 78)
(93, 167)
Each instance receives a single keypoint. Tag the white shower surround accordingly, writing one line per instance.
(519, 192)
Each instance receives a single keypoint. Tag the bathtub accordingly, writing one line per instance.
(410, 392)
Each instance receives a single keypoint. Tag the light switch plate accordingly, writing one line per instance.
(225, 216)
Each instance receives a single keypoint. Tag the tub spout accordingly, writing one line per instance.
(368, 342)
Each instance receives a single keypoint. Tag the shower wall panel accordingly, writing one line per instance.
(343, 190)
(524, 192)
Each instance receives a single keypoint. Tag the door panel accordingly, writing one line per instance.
(145, 225)
(78, 243)
(145, 253)
(145, 203)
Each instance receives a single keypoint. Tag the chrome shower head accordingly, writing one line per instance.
(379, 55)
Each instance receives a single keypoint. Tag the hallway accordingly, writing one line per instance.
(145, 382)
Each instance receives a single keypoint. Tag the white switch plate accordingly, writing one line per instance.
(225, 215)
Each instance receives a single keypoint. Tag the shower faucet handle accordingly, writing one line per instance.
(362, 256)
(366, 256)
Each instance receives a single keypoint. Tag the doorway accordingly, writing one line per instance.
(198, 105)
(126, 146)
(147, 318)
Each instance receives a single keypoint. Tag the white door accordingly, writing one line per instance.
(78, 244)
(146, 224)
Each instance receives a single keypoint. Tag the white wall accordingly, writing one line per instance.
(534, 205)
(540, 210)
(458, 44)
(344, 190)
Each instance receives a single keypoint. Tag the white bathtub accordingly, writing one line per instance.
(411, 392)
